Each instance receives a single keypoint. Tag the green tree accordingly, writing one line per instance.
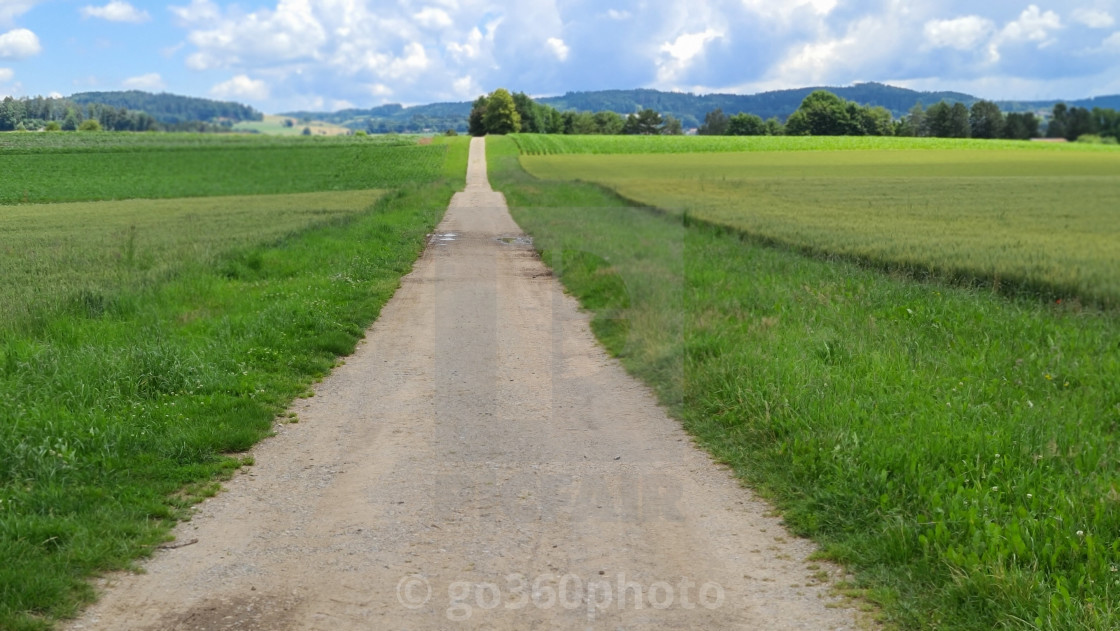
(72, 120)
(672, 126)
(90, 124)
(647, 122)
(476, 125)
(1020, 126)
(959, 126)
(11, 114)
(501, 115)
(1080, 123)
(870, 121)
(715, 123)
(743, 124)
(306, 131)
(986, 120)
(1058, 119)
(774, 127)
(609, 123)
(822, 113)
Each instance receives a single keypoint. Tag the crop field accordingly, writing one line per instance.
(1025, 218)
(84, 167)
(957, 448)
(145, 343)
(542, 144)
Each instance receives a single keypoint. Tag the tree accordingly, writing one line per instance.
(986, 120)
(672, 126)
(1058, 118)
(870, 121)
(306, 131)
(1020, 126)
(959, 126)
(822, 113)
(774, 127)
(609, 123)
(645, 123)
(90, 124)
(501, 115)
(715, 123)
(476, 125)
(915, 122)
(1080, 123)
(72, 120)
(743, 124)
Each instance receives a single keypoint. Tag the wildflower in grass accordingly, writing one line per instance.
(1080, 533)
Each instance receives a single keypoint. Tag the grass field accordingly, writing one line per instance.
(958, 449)
(144, 344)
(274, 125)
(542, 144)
(84, 167)
(1028, 218)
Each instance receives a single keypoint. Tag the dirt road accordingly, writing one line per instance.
(479, 463)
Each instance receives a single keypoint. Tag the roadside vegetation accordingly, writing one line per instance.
(1019, 218)
(955, 447)
(154, 341)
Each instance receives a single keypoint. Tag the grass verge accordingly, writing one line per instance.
(958, 450)
(117, 420)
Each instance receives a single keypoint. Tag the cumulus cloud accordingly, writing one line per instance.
(680, 53)
(12, 9)
(1033, 25)
(19, 44)
(558, 48)
(197, 12)
(117, 11)
(241, 87)
(431, 17)
(151, 82)
(964, 33)
(6, 75)
(1093, 18)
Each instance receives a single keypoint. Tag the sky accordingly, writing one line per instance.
(285, 55)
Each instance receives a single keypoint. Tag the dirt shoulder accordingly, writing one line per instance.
(479, 462)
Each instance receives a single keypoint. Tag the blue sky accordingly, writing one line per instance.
(281, 55)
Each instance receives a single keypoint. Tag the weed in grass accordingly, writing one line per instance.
(922, 433)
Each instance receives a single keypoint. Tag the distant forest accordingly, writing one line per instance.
(122, 111)
(689, 109)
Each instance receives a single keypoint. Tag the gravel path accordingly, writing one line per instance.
(478, 463)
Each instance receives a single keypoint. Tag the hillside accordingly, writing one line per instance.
(170, 108)
(690, 108)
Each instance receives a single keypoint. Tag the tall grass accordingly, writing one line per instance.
(958, 450)
(543, 144)
(123, 410)
(1024, 221)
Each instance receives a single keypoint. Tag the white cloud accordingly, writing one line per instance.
(964, 33)
(679, 54)
(12, 9)
(469, 49)
(117, 11)
(1033, 25)
(197, 12)
(6, 75)
(151, 82)
(558, 48)
(615, 14)
(1093, 18)
(786, 10)
(431, 17)
(19, 44)
(465, 88)
(241, 87)
(1112, 42)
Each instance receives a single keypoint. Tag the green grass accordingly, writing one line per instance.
(957, 449)
(67, 256)
(1043, 222)
(37, 168)
(542, 144)
(122, 407)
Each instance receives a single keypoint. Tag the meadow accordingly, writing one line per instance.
(144, 344)
(86, 167)
(1027, 217)
(957, 448)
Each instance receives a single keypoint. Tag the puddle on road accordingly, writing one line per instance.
(521, 240)
(443, 238)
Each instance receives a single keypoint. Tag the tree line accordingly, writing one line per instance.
(821, 113)
(51, 114)
(501, 112)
